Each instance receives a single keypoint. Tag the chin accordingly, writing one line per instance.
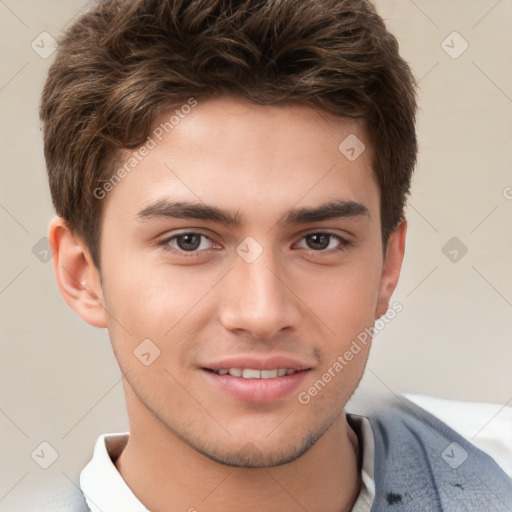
(250, 456)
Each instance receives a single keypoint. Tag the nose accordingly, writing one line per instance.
(258, 298)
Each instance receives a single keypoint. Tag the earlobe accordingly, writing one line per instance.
(77, 277)
(391, 270)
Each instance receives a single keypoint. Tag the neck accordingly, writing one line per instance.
(168, 475)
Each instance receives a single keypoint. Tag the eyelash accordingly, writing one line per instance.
(343, 244)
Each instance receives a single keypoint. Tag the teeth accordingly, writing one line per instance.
(248, 373)
(251, 373)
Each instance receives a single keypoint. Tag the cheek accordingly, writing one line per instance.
(147, 296)
(156, 303)
(344, 298)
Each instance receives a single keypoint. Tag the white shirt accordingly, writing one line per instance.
(106, 491)
(102, 484)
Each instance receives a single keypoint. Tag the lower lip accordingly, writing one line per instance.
(256, 390)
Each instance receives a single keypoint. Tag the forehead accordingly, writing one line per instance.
(231, 151)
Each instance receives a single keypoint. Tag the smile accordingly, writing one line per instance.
(251, 373)
(254, 385)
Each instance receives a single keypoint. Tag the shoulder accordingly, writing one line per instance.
(423, 464)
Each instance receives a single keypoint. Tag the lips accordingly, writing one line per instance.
(256, 379)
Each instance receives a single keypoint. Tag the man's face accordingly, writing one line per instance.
(272, 292)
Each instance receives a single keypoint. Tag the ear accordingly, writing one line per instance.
(392, 264)
(77, 277)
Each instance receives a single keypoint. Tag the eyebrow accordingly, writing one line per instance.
(335, 209)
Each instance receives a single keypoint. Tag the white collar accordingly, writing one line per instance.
(100, 481)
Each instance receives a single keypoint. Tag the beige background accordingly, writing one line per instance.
(58, 379)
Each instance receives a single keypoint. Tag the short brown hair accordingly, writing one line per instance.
(124, 63)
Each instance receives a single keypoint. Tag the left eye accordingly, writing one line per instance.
(321, 242)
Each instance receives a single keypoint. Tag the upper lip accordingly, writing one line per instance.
(259, 363)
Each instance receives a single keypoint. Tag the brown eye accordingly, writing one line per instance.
(327, 243)
(319, 241)
(188, 241)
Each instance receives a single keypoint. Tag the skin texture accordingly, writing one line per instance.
(191, 444)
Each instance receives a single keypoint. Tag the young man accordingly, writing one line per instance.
(230, 179)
